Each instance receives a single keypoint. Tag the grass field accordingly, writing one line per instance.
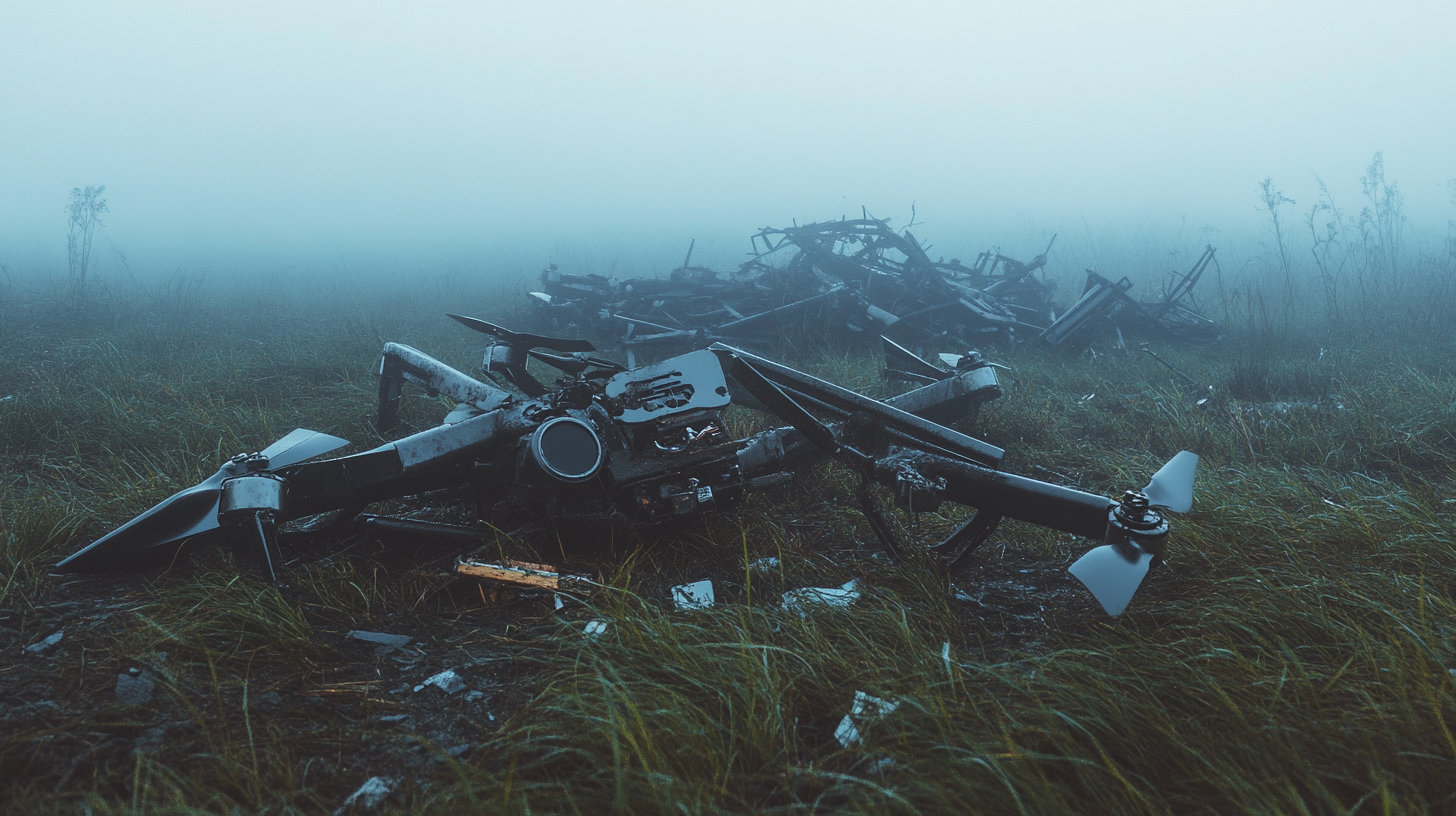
(1296, 653)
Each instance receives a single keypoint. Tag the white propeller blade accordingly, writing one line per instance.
(300, 444)
(1172, 485)
(1111, 577)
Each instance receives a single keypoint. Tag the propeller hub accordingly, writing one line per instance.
(1133, 523)
(244, 496)
(972, 359)
(249, 462)
(1135, 513)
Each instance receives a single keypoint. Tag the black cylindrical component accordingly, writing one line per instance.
(1012, 496)
(567, 449)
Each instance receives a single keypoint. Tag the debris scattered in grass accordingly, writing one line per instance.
(804, 600)
(1289, 655)
(370, 796)
(447, 681)
(697, 595)
(387, 643)
(41, 646)
(135, 687)
(866, 710)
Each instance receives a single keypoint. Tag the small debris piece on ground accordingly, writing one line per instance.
(370, 795)
(765, 564)
(595, 628)
(37, 648)
(386, 642)
(447, 681)
(519, 573)
(135, 687)
(697, 595)
(866, 709)
(801, 600)
(881, 765)
(963, 596)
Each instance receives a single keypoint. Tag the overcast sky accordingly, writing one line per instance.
(416, 129)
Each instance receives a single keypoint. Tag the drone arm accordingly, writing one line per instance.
(846, 401)
(401, 363)
(1006, 494)
(773, 398)
(417, 462)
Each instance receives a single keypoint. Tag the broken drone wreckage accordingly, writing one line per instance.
(863, 277)
(610, 444)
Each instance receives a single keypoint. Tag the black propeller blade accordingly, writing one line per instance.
(574, 364)
(522, 340)
(898, 358)
(156, 537)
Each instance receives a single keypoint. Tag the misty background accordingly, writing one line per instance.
(285, 138)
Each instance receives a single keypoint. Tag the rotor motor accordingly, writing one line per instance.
(567, 449)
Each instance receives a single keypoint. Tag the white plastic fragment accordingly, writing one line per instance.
(881, 765)
(386, 642)
(37, 648)
(369, 796)
(803, 600)
(764, 564)
(945, 655)
(866, 709)
(447, 681)
(846, 733)
(697, 595)
(595, 628)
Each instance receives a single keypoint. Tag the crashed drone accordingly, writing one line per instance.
(608, 444)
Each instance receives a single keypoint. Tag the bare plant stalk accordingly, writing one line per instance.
(84, 216)
(1451, 225)
(1333, 227)
(1273, 199)
(1382, 223)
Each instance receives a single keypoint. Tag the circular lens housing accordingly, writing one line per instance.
(568, 449)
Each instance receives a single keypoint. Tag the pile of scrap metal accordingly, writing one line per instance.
(849, 275)
(909, 295)
(859, 277)
(1106, 307)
